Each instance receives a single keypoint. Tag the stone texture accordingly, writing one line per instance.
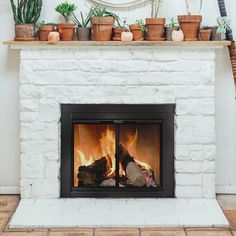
(118, 75)
(26, 233)
(208, 232)
(72, 232)
(227, 202)
(162, 232)
(116, 232)
(231, 216)
(4, 217)
(8, 203)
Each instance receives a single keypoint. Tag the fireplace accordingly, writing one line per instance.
(117, 150)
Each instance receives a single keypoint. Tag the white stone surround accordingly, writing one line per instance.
(130, 74)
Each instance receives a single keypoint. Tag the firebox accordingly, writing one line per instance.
(117, 150)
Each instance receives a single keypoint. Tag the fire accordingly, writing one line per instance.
(107, 149)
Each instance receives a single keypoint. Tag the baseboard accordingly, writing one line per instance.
(9, 189)
(226, 189)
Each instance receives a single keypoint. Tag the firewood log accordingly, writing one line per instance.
(132, 170)
(92, 175)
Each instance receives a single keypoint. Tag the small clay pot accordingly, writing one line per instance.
(169, 31)
(137, 32)
(117, 33)
(44, 31)
(102, 28)
(66, 31)
(155, 29)
(83, 34)
(25, 32)
(190, 25)
(214, 35)
(205, 34)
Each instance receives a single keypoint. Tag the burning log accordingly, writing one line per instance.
(92, 175)
(133, 172)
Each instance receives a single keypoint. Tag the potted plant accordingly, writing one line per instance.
(155, 26)
(170, 27)
(190, 24)
(44, 30)
(223, 27)
(102, 23)
(25, 23)
(138, 30)
(205, 34)
(66, 29)
(83, 30)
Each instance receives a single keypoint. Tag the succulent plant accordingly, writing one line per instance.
(26, 11)
(66, 10)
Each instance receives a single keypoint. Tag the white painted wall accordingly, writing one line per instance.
(9, 69)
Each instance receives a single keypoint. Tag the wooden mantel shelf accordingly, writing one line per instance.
(44, 45)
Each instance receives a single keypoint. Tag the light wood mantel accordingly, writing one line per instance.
(73, 44)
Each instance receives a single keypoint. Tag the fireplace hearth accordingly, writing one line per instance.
(117, 150)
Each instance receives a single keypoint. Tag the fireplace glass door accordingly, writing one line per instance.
(117, 155)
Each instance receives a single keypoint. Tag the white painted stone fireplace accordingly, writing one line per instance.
(54, 75)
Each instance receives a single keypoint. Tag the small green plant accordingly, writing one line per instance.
(172, 23)
(155, 7)
(223, 25)
(26, 11)
(188, 6)
(140, 22)
(83, 23)
(99, 11)
(66, 10)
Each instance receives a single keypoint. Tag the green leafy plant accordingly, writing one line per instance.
(155, 7)
(140, 22)
(172, 22)
(83, 23)
(26, 11)
(99, 11)
(66, 10)
(188, 6)
(223, 25)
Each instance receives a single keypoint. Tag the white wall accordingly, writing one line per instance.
(9, 69)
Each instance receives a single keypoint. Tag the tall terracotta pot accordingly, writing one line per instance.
(66, 31)
(44, 31)
(102, 28)
(137, 32)
(25, 32)
(190, 25)
(155, 29)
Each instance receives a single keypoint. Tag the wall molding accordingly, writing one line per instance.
(9, 189)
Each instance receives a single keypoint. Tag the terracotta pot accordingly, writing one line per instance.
(44, 31)
(190, 25)
(102, 28)
(117, 33)
(155, 29)
(205, 34)
(25, 32)
(214, 35)
(169, 31)
(66, 31)
(83, 34)
(138, 34)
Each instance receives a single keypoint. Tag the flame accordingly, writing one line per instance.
(107, 149)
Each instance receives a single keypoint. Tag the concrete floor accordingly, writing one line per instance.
(8, 204)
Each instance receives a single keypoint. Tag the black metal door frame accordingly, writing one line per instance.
(118, 114)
